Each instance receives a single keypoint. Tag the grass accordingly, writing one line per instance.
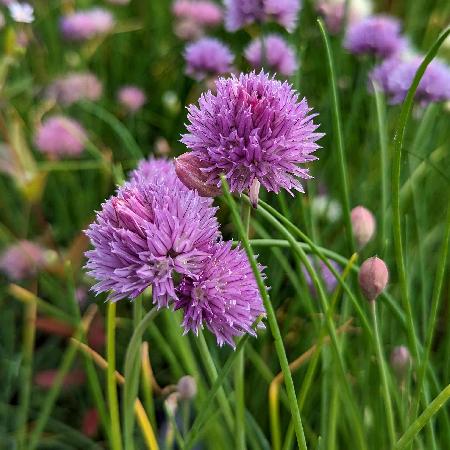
(319, 375)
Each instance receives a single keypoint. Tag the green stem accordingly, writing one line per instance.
(395, 187)
(423, 419)
(384, 377)
(340, 141)
(212, 375)
(113, 402)
(278, 341)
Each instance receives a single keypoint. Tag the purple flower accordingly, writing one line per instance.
(151, 170)
(333, 12)
(75, 87)
(279, 57)
(327, 276)
(145, 235)
(240, 13)
(87, 24)
(395, 76)
(22, 260)
(60, 136)
(201, 13)
(378, 35)
(207, 57)
(253, 129)
(224, 297)
(132, 98)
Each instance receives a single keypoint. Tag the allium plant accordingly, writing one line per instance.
(75, 87)
(60, 136)
(278, 57)
(240, 13)
(254, 129)
(207, 57)
(145, 234)
(379, 35)
(87, 24)
(225, 296)
(131, 98)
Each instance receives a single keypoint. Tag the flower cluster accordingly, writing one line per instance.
(156, 232)
(240, 13)
(75, 87)
(273, 52)
(207, 57)
(253, 129)
(83, 25)
(60, 136)
(131, 98)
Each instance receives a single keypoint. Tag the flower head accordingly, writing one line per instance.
(21, 12)
(83, 25)
(22, 260)
(202, 13)
(333, 12)
(207, 57)
(253, 128)
(363, 224)
(152, 170)
(240, 13)
(395, 76)
(278, 56)
(147, 233)
(132, 98)
(224, 296)
(379, 35)
(60, 136)
(327, 276)
(75, 87)
(373, 278)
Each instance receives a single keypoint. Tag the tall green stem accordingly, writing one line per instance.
(384, 377)
(271, 318)
(116, 442)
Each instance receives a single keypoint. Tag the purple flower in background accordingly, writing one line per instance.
(395, 76)
(201, 13)
(60, 136)
(327, 276)
(151, 170)
(87, 24)
(22, 260)
(333, 12)
(132, 98)
(279, 57)
(75, 87)
(147, 233)
(240, 13)
(207, 57)
(378, 35)
(224, 297)
(253, 129)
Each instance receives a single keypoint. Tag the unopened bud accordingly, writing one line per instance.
(373, 277)
(363, 224)
(187, 387)
(400, 361)
(171, 403)
(188, 168)
(254, 192)
(162, 147)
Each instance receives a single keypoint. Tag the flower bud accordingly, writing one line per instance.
(400, 361)
(373, 277)
(187, 387)
(363, 224)
(254, 192)
(162, 147)
(188, 168)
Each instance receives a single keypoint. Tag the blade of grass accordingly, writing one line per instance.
(345, 197)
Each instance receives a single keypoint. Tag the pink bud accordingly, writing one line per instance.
(187, 387)
(188, 168)
(373, 277)
(364, 224)
(400, 361)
